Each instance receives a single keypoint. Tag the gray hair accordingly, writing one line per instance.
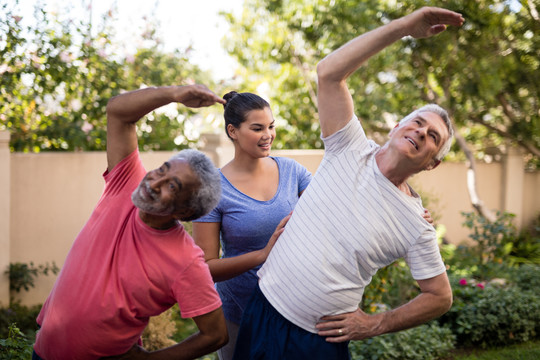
(436, 109)
(207, 196)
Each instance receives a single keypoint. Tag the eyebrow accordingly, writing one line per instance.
(257, 124)
(424, 121)
(175, 178)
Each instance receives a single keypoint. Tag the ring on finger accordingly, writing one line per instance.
(340, 332)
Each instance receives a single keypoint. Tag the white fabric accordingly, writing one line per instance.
(350, 222)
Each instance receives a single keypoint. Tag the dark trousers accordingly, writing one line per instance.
(266, 335)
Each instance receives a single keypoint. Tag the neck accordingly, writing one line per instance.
(248, 164)
(158, 222)
(393, 168)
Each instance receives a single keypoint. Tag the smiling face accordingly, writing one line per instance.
(420, 139)
(256, 134)
(166, 191)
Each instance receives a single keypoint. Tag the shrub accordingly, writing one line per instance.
(526, 277)
(22, 275)
(490, 315)
(392, 285)
(24, 316)
(16, 345)
(492, 242)
(158, 332)
(425, 342)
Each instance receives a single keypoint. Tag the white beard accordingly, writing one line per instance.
(147, 201)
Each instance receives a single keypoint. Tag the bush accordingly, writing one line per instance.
(16, 345)
(490, 315)
(526, 277)
(22, 275)
(392, 286)
(158, 332)
(425, 342)
(24, 316)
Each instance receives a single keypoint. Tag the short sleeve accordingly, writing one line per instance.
(304, 177)
(194, 290)
(212, 217)
(424, 258)
(350, 137)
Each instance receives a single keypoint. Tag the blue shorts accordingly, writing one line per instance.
(265, 334)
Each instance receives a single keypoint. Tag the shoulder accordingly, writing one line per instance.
(349, 137)
(287, 162)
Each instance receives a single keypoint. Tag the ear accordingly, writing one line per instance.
(183, 214)
(231, 130)
(393, 129)
(433, 165)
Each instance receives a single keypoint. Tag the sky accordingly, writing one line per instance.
(181, 23)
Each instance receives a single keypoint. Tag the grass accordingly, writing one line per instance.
(525, 351)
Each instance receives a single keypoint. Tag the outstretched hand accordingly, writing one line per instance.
(197, 95)
(429, 21)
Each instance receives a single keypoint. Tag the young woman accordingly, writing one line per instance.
(258, 191)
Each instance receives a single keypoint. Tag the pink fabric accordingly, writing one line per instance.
(118, 273)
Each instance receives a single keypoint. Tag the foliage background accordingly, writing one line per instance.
(485, 73)
(57, 76)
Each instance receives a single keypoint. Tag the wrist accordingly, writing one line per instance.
(400, 27)
(261, 255)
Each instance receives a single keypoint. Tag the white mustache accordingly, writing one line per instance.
(149, 191)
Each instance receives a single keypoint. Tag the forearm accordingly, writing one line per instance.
(423, 308)
(129, 107)
(227, 268)
(341, 63)
(192, 347)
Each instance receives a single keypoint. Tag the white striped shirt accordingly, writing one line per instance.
(350, 222)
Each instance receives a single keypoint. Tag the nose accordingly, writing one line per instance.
(155, 182)
(266, 134)
(422, 132)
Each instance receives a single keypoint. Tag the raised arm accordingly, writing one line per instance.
(123, 112)
(334, 99)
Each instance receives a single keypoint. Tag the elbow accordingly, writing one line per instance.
(445, 303)
(323, 70)
(220, 339)
(449, 300)
(328, 73)
(110, 106)
(223, 340)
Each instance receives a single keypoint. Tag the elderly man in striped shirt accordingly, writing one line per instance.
(357, 216)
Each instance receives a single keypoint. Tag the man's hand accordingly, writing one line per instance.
(196, 96)
(427, 216)
(355, 325)
(429, 21)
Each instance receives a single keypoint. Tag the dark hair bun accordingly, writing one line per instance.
(228, 96)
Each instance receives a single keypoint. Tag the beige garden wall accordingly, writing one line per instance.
(47, 198)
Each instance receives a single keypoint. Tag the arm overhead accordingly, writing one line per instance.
(123, 112)
(334, 99)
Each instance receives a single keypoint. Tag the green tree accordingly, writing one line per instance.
(486, 73)
(57, 76)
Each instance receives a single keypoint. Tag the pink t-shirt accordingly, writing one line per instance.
(118, 273)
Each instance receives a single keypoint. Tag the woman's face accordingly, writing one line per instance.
(256, 134)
